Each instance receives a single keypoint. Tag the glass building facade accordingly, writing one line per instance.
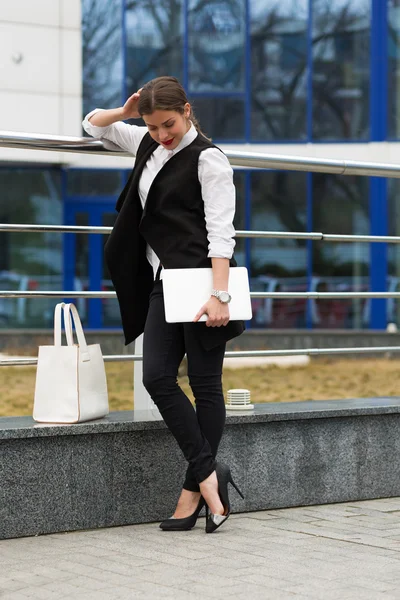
(256, 72)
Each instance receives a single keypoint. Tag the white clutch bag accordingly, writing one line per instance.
(186, 290)
(71, 384)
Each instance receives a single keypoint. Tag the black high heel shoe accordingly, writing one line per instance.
(184, 524)
(224, 477)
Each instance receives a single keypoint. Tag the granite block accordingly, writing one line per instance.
(324, 461)
(54, 484)
(148, 420)
(128, 469)
(148, 473)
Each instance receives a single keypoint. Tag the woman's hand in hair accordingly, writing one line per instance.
(130, 107)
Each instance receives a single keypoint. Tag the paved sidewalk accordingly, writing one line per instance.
(335, 551)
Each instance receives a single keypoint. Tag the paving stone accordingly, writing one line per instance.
(340, 551)
(12, 596)
(41, 593)
(10, 584)
(102, 595)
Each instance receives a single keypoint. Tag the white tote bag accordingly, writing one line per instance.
(71, 384)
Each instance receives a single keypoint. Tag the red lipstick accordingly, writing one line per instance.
(168, 143)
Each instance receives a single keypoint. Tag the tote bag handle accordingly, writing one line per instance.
(71, 314)
(57, 323)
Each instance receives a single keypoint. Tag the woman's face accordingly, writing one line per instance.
(167, 127)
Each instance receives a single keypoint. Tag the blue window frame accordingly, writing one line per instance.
(278, 75)
(290, 72)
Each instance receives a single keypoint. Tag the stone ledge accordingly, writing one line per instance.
(123, 470)
(131, 420)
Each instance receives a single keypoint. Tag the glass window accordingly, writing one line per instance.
(154, 42)
(279, 70)
(393, 285)
(94, 182)
(101, 54)
(220, 118)
(30, 261)
(341, 58)
(393, 68)
(279, 202)
(217, 42)
(340, 205)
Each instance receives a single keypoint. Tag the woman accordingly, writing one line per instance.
(176, 211)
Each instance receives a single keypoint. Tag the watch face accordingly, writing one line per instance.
(224, 296)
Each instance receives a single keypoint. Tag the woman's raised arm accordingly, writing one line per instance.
(107, 124)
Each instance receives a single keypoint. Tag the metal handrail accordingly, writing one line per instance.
(14, 362)
(236, 158)
(257, 160)
(281, 295)
(298, 235)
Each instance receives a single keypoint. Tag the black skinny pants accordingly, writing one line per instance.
(198, 432)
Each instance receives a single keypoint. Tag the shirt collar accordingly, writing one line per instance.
(187, 139)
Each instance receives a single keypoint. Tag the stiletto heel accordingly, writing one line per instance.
(186, 523)
(224, 477)
(236, 487)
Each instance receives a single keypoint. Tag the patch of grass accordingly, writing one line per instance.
(322, 379)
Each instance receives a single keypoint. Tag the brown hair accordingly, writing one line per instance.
(165, 93)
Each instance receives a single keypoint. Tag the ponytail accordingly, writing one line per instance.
(195, 122)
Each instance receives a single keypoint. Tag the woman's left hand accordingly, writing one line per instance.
(217, 312)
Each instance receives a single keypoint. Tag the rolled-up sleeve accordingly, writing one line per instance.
(218, 191)
(118, 136)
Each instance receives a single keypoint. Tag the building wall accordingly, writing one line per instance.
(41, 71)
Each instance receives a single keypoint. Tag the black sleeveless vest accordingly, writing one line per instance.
(173, 224)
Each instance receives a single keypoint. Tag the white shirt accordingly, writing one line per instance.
(215, 177)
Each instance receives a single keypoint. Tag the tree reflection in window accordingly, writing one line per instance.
(30, 260)
(101, 54)
(341, 205)
(278, 203)
(154, 41)
(217, 31)
(393, 68)
(341, 68)
(393, 304)
(279, 69)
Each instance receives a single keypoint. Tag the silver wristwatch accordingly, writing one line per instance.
(223, 297)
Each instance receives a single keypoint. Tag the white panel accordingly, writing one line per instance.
(86, 161)
(71, 14)
(45, 12)
(38, 49)
(379, 152)
(71, 62)
(31, 113)
(30, 156)
(71, 116)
